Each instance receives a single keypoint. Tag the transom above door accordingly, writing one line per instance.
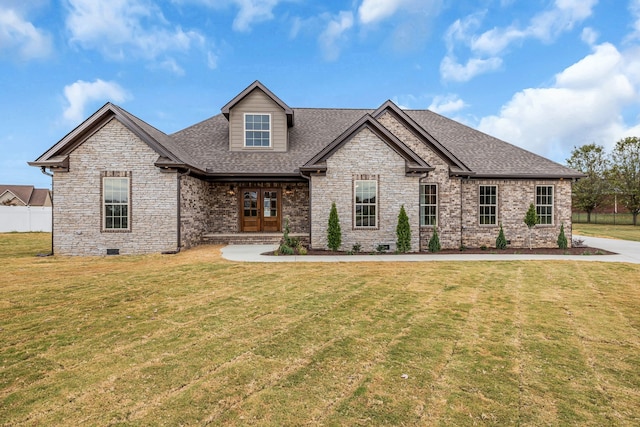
(260, 209)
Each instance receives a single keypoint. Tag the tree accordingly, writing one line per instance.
(501, 240)
(434, 242)
(531, 219)
(334, 234)
(624, 174)
(590, 191)
(403, 232)
(562, 239)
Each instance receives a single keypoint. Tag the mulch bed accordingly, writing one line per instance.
(583, 250)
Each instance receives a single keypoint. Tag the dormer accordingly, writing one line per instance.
(258, 120)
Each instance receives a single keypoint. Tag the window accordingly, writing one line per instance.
(365, 206)
(257, 130)
(488, 204)
(428, 204)
(115, 203)
(544, 204)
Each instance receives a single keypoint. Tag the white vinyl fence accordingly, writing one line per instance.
(25, 218)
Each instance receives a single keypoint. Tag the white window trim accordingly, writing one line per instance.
(420, 204)
(104, 205)
(244, 131)
(377, 205)
(496, 205)
(553, 204)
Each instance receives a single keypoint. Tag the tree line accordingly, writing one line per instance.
(617, 172)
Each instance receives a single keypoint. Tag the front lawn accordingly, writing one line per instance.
(191, 339)
(623, 232)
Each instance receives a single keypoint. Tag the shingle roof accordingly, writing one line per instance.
(204, 147)
(485, 156)
(27, 194)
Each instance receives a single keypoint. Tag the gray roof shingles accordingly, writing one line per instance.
(207, 146)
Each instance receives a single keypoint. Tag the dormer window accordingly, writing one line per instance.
(257, 130)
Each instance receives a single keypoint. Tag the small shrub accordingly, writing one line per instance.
(483, 248)
(501, 241)
(286, 250)
(381, 248)
(403, 232)
(302, 250)
(531, 219)
(462, 248)
(356, 248)
(562, 239)
(434, 242)
(334, 234)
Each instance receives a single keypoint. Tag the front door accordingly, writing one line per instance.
(260, 209)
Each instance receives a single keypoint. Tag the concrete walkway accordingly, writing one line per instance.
(626, 252)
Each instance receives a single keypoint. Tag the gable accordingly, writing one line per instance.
(413, 163)
(257, 102)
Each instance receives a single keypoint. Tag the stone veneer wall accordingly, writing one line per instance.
(78, 204)
(365, 155)
(514, 198)
(195, 210)
(224, 207)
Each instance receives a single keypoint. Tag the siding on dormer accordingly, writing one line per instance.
(257, 102)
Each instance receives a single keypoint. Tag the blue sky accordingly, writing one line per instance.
(544, 75)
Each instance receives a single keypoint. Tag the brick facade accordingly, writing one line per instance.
(78, 202)
(365, 156)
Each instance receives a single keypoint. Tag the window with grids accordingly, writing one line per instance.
(116, 209)
(488, 204)
(544, 204)
(257, 130)
(428, 204)
(365, 203)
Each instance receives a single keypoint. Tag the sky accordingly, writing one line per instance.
(544, 75)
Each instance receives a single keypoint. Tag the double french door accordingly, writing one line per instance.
(260, 209)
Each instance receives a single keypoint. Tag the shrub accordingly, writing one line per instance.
(381, 248)
(434, 242)
(334, 234)
(403, 232)
(287, 244)
(356, 248)
(562, 239)
(531, 219)
(501, 241)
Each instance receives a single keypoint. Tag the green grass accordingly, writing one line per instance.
(191, 339)
(623, 232)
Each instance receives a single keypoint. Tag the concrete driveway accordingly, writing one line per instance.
(626, 252)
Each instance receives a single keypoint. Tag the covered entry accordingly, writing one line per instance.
(260, 209)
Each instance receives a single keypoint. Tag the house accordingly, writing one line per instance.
(24, 195)
(24, 208)
(123, 186)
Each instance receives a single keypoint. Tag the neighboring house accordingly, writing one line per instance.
(24, 208)
(122, 186)
(24, 195)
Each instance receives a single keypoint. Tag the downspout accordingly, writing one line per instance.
(178, 214)
(461, 216)
(43, 169)
(308, 178)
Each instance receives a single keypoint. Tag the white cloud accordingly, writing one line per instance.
(584, 105)
(451, 70)
(122, 28)
(375, 10)
(447, 104)
(250, 12)
(634, 8)
(80, 93)
(20, 36)
(212, 60)
(485, 47)
(333, 35)
(589, 36)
